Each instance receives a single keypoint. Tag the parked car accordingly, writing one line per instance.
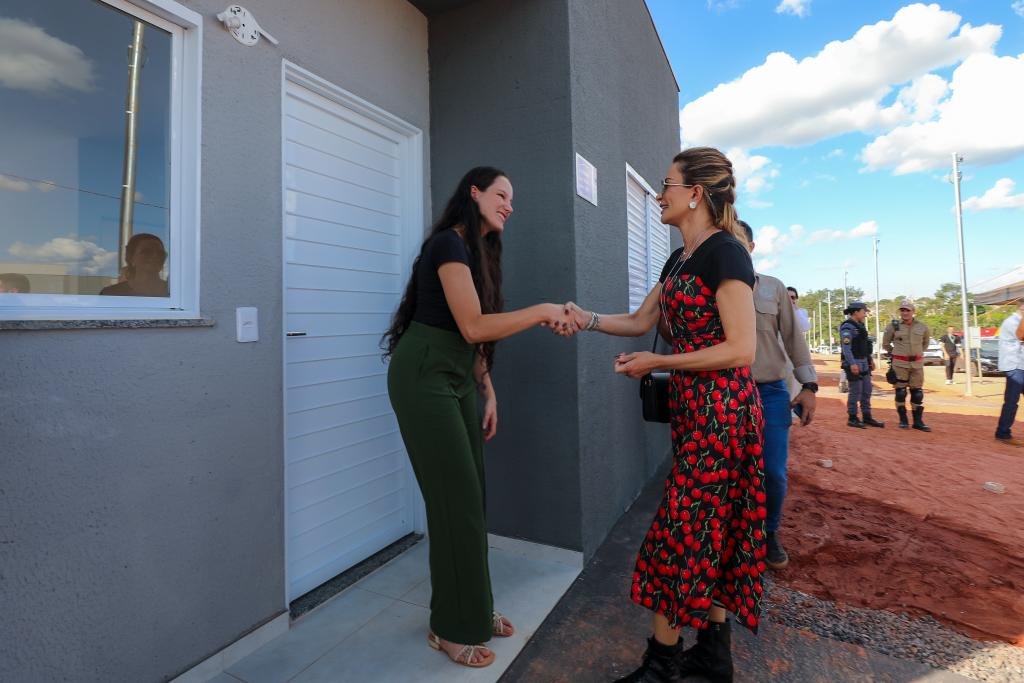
(933, 354)
(989, 353)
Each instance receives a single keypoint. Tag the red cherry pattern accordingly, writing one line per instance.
(707, 541)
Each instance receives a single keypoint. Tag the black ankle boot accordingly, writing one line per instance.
(852, 421)
(659, 665)
(872, 422)
(919, 419)
(711, 657)
(902, 410)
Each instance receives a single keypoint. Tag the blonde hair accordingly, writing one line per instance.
(712, 170)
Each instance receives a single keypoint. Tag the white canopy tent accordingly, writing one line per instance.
(1003, 289)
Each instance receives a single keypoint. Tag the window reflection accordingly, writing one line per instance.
(65, 155)
(145, 257)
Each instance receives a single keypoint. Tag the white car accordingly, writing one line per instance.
(933, 354)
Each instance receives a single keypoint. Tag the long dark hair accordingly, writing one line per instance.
(461, 211)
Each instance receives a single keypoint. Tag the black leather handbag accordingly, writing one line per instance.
(654, 392)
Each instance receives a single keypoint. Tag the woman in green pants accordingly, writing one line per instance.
(441, 344)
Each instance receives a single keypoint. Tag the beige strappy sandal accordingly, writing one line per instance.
(501, 626)
(465, 655)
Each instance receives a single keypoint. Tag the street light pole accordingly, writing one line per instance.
(831, 339)
(820, 339)
(969, 362)
(878, 313)
(845, 302)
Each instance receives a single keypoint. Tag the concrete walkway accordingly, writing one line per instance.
(375, 631)
(596, 634)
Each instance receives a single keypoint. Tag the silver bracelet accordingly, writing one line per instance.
(595, 320)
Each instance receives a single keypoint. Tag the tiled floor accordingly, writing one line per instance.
(376, 630)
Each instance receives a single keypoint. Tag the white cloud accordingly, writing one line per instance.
(800, 8)
(753, 172)
(1018, 7)
(766, 264)
(834, 154)
(865, 229)
(723, 5)
(758, 204)
(999, 196)
(769, 240)
(81, 256)
(31, 59)
(981, 119)
(14, 184)
(788, 102)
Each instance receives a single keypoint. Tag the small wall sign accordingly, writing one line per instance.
(586, 180)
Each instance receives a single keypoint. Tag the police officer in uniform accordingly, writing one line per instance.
(858, 365)
(905, 340)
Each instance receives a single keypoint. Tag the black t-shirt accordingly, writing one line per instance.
(431, 305)
(720, 257)
(950, 342)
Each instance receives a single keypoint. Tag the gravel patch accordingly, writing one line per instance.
(918, 639)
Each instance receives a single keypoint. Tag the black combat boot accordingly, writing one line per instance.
(872, 422)
(902, 410)
(660, 664)
(777, 557)
(918, 421)
(711, 657)
(852, 421)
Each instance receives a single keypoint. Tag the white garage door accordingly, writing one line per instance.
(352, 213)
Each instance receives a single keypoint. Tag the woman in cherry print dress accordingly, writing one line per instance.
(703, 555)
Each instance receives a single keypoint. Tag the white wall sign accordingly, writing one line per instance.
(586, 180)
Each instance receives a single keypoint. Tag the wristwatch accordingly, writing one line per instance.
(811, 387)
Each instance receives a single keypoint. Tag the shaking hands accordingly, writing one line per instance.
(565, 320)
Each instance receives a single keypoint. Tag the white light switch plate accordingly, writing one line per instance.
(247, 324)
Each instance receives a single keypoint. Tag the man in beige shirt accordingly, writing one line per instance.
(905, 340)
(779, 339)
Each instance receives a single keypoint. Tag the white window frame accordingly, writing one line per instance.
(656, 234)
(186, 29)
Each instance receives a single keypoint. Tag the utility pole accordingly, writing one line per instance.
(131, 125)
(969, 359)
(844, 385)
(820, 338)
(878, 313)
(831, 339)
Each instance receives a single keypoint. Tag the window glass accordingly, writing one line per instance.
(82, 211)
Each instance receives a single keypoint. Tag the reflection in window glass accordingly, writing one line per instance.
(83, 211)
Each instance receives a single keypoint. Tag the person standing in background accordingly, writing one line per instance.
(780, 347)
(905, 341)
(803, 319)
(950, 349)
(1011, 362)
(858, 364)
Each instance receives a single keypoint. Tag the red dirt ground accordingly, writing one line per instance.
(902, 521)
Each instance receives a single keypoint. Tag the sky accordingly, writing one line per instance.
(63, 78)
(841, 119)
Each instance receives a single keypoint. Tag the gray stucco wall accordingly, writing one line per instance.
(550, 78)
(624, 110)
(141, 487)
(499, 83)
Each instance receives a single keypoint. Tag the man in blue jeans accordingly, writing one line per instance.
(779, 339)
(1011, 361)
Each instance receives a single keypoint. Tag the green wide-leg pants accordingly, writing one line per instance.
(433, 393)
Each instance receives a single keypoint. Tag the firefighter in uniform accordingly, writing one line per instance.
(905, 340)
(858, 365)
